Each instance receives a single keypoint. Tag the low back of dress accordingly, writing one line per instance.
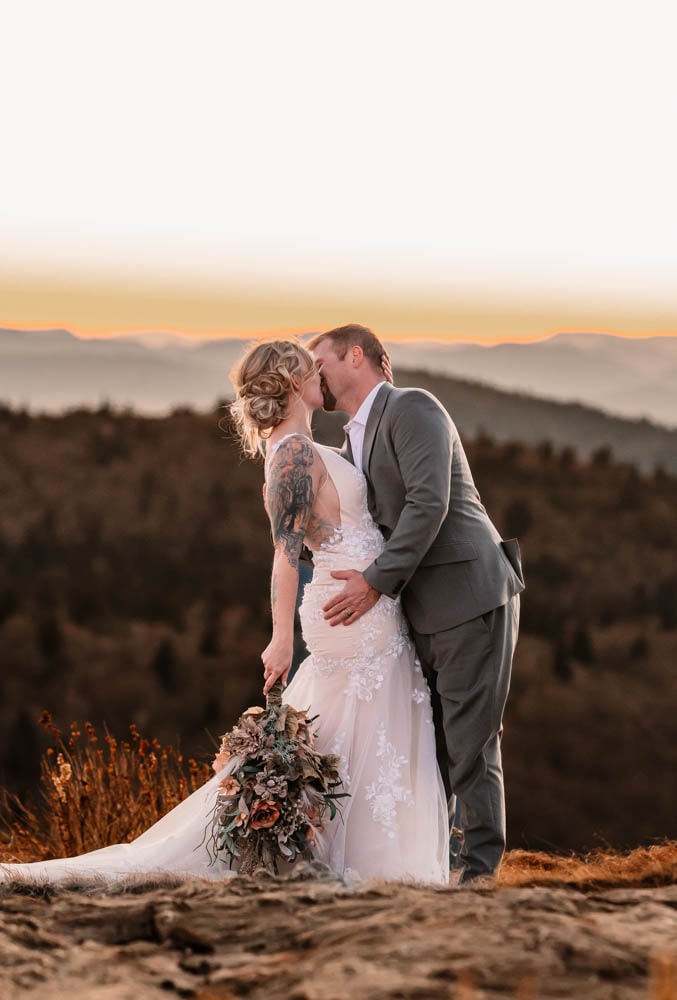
(356, 537)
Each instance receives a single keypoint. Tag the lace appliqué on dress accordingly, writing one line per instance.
(364, 671)
(385, 793)
(420, 692)
(338, 747)
(369, 654)
(363, 541)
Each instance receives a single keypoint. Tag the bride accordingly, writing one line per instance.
(363, 680)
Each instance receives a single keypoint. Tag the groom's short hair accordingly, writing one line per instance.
(352, 335)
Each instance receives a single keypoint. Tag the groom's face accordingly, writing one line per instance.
(334, 373)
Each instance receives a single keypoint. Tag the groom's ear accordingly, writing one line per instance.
(356, 355)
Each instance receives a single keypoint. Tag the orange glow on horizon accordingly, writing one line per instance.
(302, 333)
(106, 310)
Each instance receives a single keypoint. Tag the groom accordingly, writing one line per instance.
(459, 582)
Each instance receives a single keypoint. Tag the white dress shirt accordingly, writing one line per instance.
(356, 427)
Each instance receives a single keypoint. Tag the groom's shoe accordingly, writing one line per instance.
(478, 881)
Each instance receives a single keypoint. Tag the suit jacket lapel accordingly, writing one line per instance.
(373, 421)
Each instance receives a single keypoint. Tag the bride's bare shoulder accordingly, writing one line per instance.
(294, 452)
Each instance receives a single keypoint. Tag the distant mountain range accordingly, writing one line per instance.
(505, 416)
(52, 370)
(629, 377)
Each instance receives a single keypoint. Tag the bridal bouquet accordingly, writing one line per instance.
(277, 790)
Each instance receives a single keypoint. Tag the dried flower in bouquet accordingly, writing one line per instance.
(277, 789)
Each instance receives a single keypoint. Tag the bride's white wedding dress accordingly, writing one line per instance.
(366, 685)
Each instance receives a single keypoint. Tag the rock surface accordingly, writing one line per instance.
(314, 939)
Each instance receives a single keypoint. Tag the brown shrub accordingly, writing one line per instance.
(95, 793)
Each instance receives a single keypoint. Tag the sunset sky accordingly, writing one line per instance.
(481, 171)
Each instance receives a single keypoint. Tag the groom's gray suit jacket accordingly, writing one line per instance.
(443, 553)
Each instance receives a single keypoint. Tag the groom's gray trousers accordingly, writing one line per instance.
(468, 671)
(447, 560)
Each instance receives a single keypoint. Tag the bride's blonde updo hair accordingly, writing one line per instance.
(267, 378)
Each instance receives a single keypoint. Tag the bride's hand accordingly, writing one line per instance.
(356, 598)
(277, 657)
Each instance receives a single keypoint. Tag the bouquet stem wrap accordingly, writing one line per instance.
(274, 696)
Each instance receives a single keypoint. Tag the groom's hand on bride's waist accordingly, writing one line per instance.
(356, 598)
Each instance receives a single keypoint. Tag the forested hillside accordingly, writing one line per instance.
(478, 408)
(134, 561)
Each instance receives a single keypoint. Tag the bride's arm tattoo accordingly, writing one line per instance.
(290, 496)
(320, 529)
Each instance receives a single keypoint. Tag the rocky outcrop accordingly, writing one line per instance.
(314, 939)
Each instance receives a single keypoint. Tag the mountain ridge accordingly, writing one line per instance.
(51, 371)
(482, 410)
(630, 377)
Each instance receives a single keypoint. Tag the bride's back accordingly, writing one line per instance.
(339, 526)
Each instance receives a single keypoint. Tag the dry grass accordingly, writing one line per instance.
(94, 793)
(601, 869)
(99, 792)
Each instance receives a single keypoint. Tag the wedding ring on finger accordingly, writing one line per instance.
(347, 612)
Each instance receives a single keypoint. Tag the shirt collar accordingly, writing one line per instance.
(362, 415)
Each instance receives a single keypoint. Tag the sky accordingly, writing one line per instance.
(489, 170)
